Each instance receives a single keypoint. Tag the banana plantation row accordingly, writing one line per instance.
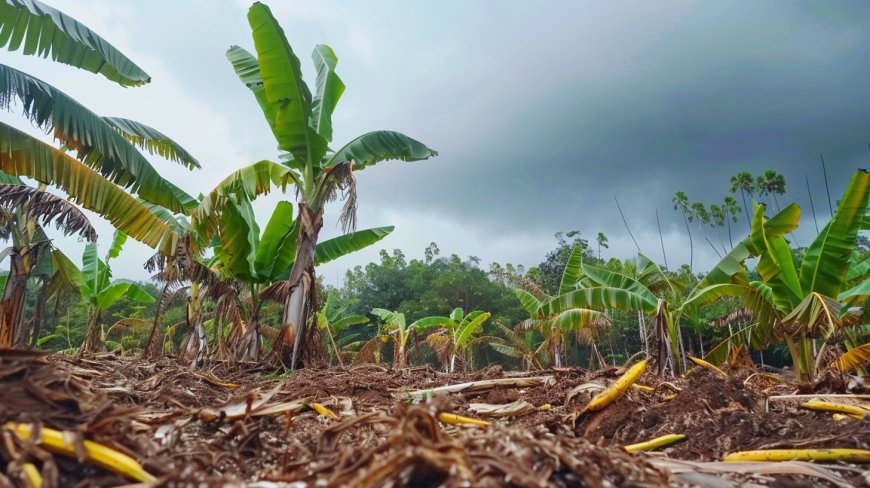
(251, 291)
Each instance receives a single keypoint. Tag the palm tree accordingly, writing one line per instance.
(681, 203)
(731, 211)
(601, 239)
(744, 182)
(772, 184)
(700, 214)
(302, 125)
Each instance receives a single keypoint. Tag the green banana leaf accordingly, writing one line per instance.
(374, 147)
(284, 87)
(248, 70)
(337, 247)
(826, 261)
(99, 144)
(572, 272)
(575, 319)
(239, 241)
(277, 247)
(152, 140)
(327, 91)
(599, 298)
(607, 278)
(43, 31)
(470, 326)
(528, 301)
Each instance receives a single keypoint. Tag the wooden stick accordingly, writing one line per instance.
(483, 385)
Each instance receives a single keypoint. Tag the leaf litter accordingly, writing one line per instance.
(190, 428)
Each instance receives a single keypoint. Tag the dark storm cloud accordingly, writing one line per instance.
(540, 124)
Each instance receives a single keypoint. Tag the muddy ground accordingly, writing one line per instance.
(234, 426)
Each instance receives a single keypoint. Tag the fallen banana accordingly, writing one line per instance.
(323, 411)
(614, 391)
(103, 456)
(851, 410)
(32, 475)
(645, 389)
(662, 441)
(705, 364)
(847, 455)
(453, 419)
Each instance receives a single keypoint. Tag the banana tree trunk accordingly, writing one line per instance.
(301, 297)
(249, 349)
(94, 339)
(30, 329)
(196, 343)
(12, 306)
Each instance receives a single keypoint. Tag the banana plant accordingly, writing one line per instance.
(515, 345)
(24, 211)
(555, 318)
(256, 260)
(301, 121)
(395, 326)
(797, 301)
(96, 287)
(333, 320)
(108, 163)
(456, 336)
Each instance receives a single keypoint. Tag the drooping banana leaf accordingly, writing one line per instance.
(606, 278)
(599, 298)
(374, 147)
(43, 31)
(284, 87)
(573, 320)
(337, 247)
(528, 301)
(246, 183)
(115, 291)
(23, 155)
(97, 142)
(152, 140)
(826, 261)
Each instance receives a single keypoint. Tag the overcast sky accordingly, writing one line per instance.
(542, 111)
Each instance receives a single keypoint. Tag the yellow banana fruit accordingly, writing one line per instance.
(851, 410)
(103, 456)
(453, 419)
(705, 364)
(847, 455)
(649, 445)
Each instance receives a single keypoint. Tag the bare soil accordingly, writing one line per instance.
(180, 425)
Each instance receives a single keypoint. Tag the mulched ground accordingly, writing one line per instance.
(202, 428)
